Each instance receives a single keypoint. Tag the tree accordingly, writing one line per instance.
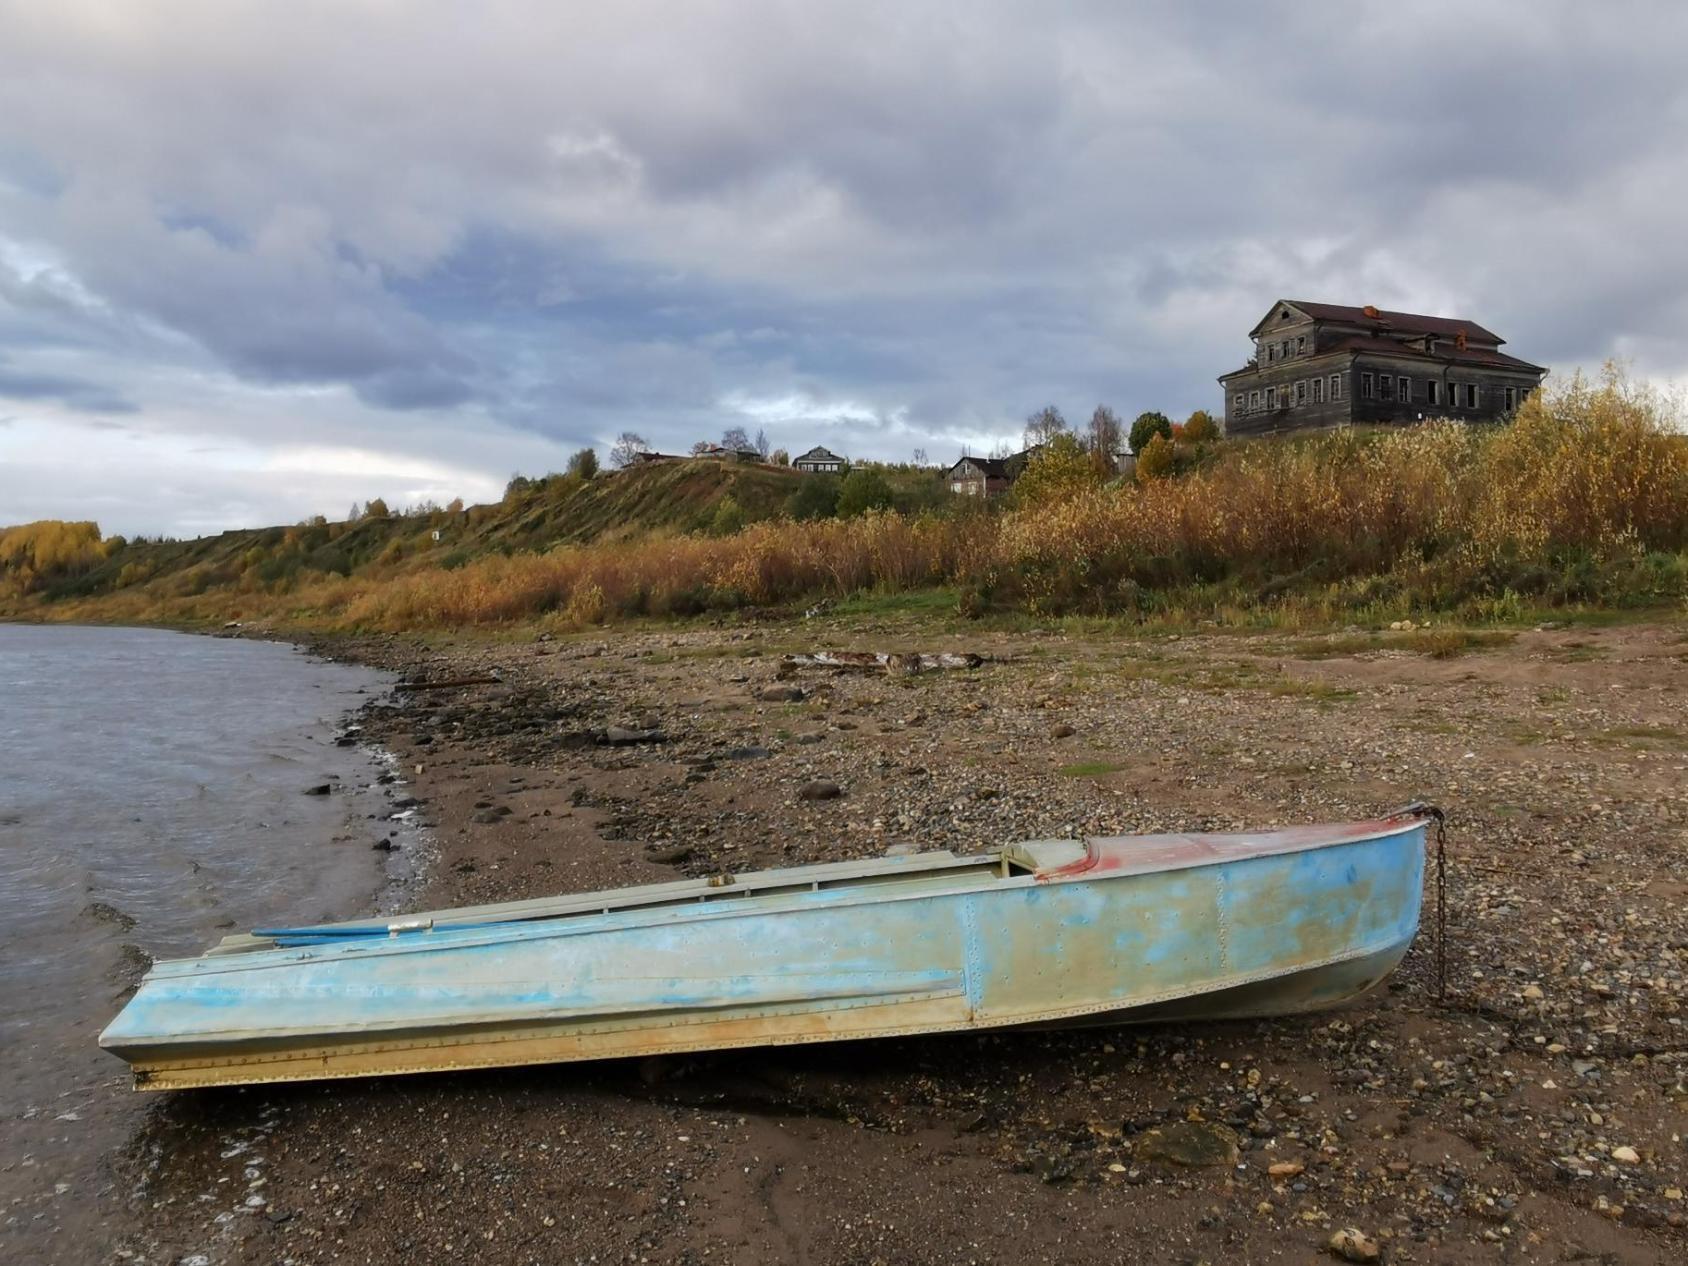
(729, 516)
(861, 491)
(816, 498)
(628, 445)
(1057, 471)
(1044, 425)
(584, 464)
(920, 457)
(762, 444)
(376, 509)
(1201, 427)
(1147, 426)
(701, 447)
(454, 506)
(1106, 434)
(780, 457)
(1156, 459)
(735, 439)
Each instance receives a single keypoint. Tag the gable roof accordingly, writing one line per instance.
(993, 467)
(817, 454)
(1395, 322)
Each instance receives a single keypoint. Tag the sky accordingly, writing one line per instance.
(259, 261)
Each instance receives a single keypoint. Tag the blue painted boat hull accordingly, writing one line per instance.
(1050, 932)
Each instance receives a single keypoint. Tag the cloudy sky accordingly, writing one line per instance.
(260, 260)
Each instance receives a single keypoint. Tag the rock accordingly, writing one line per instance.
(819, 789)
(1286, 1169)
(1533, 993)
(1192, 1144)
(1626, 1156)
(1354, 1246)
(321, 789)
(384, 846)
(1062, 731)
(669, 856)
(488, 817)
(105, 912)
(781, 694)
(621, 736)
(744, 753)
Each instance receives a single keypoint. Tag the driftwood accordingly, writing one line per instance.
(881, 661)
(491, 679)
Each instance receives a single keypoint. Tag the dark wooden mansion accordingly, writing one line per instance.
(1323, 364)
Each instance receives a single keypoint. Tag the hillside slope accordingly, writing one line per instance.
(58, 561)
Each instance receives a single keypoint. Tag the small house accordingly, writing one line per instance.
(820, 461)
(988, 476)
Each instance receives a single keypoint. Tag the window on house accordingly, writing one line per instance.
(1301, 392)
(1300, 344)
(1271, 352)
(1386, 385)
(1271, 397)
(1511, 399)
(1470, 395)
(1433, 392)
(1254, 400)
(1406, 391)
(1336, 386)
(1318, 391)
(1283, 349)
(1453, 395)
(1367, 387)
(1237, 403)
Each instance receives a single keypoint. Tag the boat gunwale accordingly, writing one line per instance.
(446, 938)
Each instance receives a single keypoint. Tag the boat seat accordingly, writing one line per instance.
(1036, 855)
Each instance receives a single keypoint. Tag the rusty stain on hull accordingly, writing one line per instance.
(1045, 933)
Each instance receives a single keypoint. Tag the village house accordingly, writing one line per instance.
(820, 461)
(1323, 364)
(719, 453)
(987, 476)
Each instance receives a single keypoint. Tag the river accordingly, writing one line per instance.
(153, 797)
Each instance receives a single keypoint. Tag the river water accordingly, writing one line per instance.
(152, 799)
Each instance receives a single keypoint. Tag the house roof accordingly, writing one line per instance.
(993, 467)
(1396, 322)
(817, 454)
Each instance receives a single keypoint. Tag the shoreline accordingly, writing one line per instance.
(131, 894)
(1416, 1122)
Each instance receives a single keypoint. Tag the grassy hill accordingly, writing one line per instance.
(54, 562)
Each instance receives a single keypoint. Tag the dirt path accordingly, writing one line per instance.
(1490, 1129)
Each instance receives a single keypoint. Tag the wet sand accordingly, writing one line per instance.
(1535, 1114)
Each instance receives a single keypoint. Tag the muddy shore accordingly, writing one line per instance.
(1535, 1114)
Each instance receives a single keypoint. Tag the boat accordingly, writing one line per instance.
(1110, 930)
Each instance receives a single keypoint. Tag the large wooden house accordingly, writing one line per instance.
(1323, 364)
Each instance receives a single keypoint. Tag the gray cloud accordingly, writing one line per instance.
(557, 222)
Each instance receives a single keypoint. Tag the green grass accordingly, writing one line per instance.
(1089, 769)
